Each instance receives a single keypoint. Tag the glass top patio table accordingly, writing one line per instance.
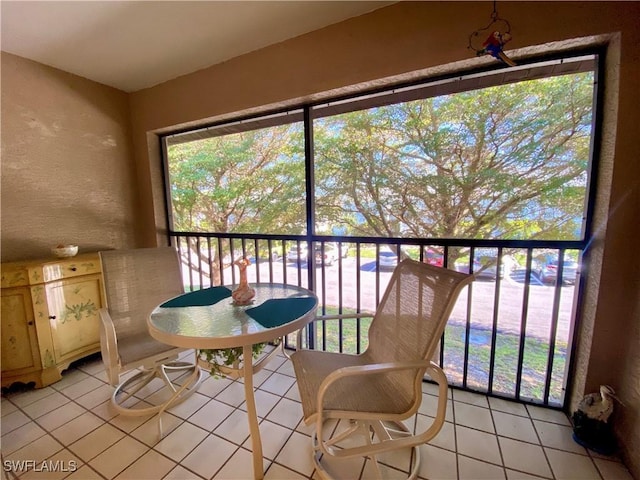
(209, 319)
(277, 310)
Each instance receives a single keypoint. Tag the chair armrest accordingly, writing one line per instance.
(327, 317)
(373, 368)
(436, 373)
(109, 347)
(322, 318)
(351, 371)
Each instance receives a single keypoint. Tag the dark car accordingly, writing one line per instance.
(546, 268)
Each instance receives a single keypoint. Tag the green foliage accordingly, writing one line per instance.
(503, 162)
(249, 182)
(227, 357)
(76, 311)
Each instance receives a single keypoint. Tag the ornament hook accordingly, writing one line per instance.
(497, 34)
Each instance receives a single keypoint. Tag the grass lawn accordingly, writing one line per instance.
(534, 364)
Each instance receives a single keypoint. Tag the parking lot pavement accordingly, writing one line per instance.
(518, 276)
(370, 285)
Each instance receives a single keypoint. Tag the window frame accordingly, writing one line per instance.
(527, 69)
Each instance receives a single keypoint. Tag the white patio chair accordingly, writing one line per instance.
(135, 282)
(374, 391)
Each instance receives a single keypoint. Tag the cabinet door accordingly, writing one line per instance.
(73, 306)
(19, 341)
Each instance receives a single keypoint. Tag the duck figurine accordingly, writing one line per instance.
(243, 294)
(591, 427)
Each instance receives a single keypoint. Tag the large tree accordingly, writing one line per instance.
(509, 161)
(248, 182)
(502, 162)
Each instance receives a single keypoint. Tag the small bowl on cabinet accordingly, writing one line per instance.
(65, 251)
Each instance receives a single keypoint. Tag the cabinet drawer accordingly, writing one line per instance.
(18, 274)
(74, 267)
(14, 275)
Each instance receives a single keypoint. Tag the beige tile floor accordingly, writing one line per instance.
(68, 430)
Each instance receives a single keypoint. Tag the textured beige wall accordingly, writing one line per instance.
(67, 167)
(413, 38)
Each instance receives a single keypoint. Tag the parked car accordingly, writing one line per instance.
(274, 254)
(546, 268)
(344, 249)
(388, 259)
(297, 254)
(326, 256)
(433, 257)
(480, 270)
(485, 265)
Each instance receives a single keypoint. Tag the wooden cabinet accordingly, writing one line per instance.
(50, 318)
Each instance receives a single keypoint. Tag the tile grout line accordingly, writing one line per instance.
(495, 429)
(455, 434)
(292, 431)
(542, 446)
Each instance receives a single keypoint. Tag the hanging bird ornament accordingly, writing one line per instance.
(497, 33)
(591, 427)
(493, 46)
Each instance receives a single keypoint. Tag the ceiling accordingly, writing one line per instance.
(132, 45)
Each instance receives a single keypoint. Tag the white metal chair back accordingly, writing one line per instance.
(383, 384)
(411, 317)
(135, 282)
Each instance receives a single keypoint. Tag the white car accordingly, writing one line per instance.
(387, 259)
(484, 265)
(296, 254)
(327, 256)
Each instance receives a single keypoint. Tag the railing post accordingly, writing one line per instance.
(358, 290)
(310, 206)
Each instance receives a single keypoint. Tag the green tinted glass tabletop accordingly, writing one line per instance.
(276, 310)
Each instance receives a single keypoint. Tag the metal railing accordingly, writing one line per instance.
(509, 335)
